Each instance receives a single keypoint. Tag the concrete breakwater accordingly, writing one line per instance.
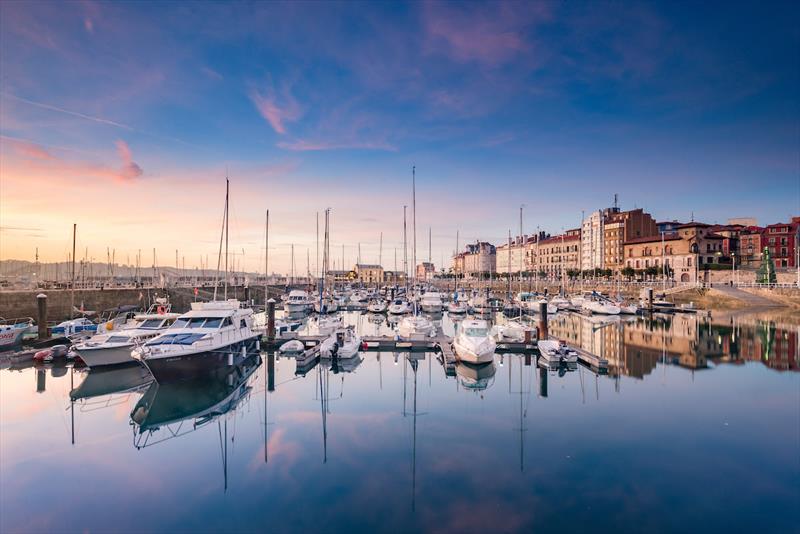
(23, 303)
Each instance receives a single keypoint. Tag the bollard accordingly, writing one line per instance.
(41, 305)
(527, 336)
(271, 319)
(543, 320)
(649, 291)
(230, 359)
(271, 372)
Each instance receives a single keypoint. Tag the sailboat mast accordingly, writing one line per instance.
(266, 261)
(405, 250)
(72, 284)
(414, 224)
(227, 192)
(380, 251)
(316, 265)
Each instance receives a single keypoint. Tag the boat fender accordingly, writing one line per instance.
(110, 325)
(162, 310)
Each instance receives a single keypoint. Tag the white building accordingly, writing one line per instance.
(592, 241)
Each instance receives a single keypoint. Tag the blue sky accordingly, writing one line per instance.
(127, 115)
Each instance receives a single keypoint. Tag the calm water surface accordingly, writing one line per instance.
(696, 426)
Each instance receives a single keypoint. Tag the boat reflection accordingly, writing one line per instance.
(103, 381)
(198, 401)
(475, 377)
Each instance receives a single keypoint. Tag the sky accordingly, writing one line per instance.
(126, 117)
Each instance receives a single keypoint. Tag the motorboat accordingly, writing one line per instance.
(359, 297)
(600, 307)
(293, 346)
(118, 379)
(627, 309)
(209, 335)
(70, 328)
(12, 330)
(473, 342)
(327, 324)
(342, 365)
(557, 351)
(344, 343)
(377, 305)
(297, 301)
(415, 327)
(480, 303)
(457, 307)
(399, 306)
(115, 346)
(512, 331)
(431, 302)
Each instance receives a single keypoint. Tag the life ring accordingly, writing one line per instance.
(162, 310)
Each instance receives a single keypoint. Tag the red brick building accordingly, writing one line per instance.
(749, 245)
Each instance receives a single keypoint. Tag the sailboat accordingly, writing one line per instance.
(415, 326)
(210, 335)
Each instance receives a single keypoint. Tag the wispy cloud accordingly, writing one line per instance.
(50, 107)
(276, 109)
(304, 145)
(130, 170)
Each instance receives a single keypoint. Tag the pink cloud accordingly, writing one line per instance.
(29, 150)
(130, 169)
(490, 37)
(276, 110)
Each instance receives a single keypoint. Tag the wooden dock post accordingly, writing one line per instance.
(41, 306)
(271, 371)
(271, 319)
(543, 320)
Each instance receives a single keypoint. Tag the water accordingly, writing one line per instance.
(696, 426)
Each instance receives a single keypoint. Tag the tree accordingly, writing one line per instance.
(628, 272)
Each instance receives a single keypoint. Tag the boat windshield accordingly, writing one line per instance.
(176, 339)
(476, 332)
(180, 322)
(118, 339)
(151, 323)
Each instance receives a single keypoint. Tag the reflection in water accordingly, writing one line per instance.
(602, 442)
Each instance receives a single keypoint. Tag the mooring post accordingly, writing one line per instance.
(542, 382)
(41, 306)
(543, 320)
(271, 319)
(649, 299)
(247, 295)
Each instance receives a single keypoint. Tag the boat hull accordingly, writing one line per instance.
(191, 365)
(102, 356)
(467, 354)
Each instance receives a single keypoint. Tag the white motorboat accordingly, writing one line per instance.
(473, 342)
(377, 305)
(557, 351)
(600, 307)
(293, 346)
(431, 302)
(359, 297)
(457, 307)
(115, 347)
(75, 326)
(12, 330)
(399, 307)
(327, 324)
(344, 343)
(206, 337)
(512, 331)
(415, 327)
(560, 303)
(297, 301)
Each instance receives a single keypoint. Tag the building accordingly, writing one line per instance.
(368, 273)
(667, 226)
(618, 228)
(338, 276)
(743, 221)
(558, 254)
(683, 253)
(425, 271)
(478, 259)
(749, 245)
(781, 240)
(513, 258)
(394, 278)
(592, 240)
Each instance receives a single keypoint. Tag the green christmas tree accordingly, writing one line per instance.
(766, 273)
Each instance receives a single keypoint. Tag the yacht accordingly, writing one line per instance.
(73, 327)
(327, 324)
(399, 307)
(457, 307)
(473, 343)
(557, 351)
(297, 301)
(415, 327)
(431, 302)
(344, 343)
(211, 334)
(115, 347)
(512, 331)
(12, 330)
(377, 305)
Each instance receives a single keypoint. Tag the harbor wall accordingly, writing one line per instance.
(23, 303)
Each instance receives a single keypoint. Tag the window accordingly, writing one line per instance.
(151, 323)
(196, 322)
(180, 322)
(214, 322)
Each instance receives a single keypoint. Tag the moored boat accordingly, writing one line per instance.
(473, 342)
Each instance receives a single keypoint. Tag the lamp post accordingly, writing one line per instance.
(733, 259)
